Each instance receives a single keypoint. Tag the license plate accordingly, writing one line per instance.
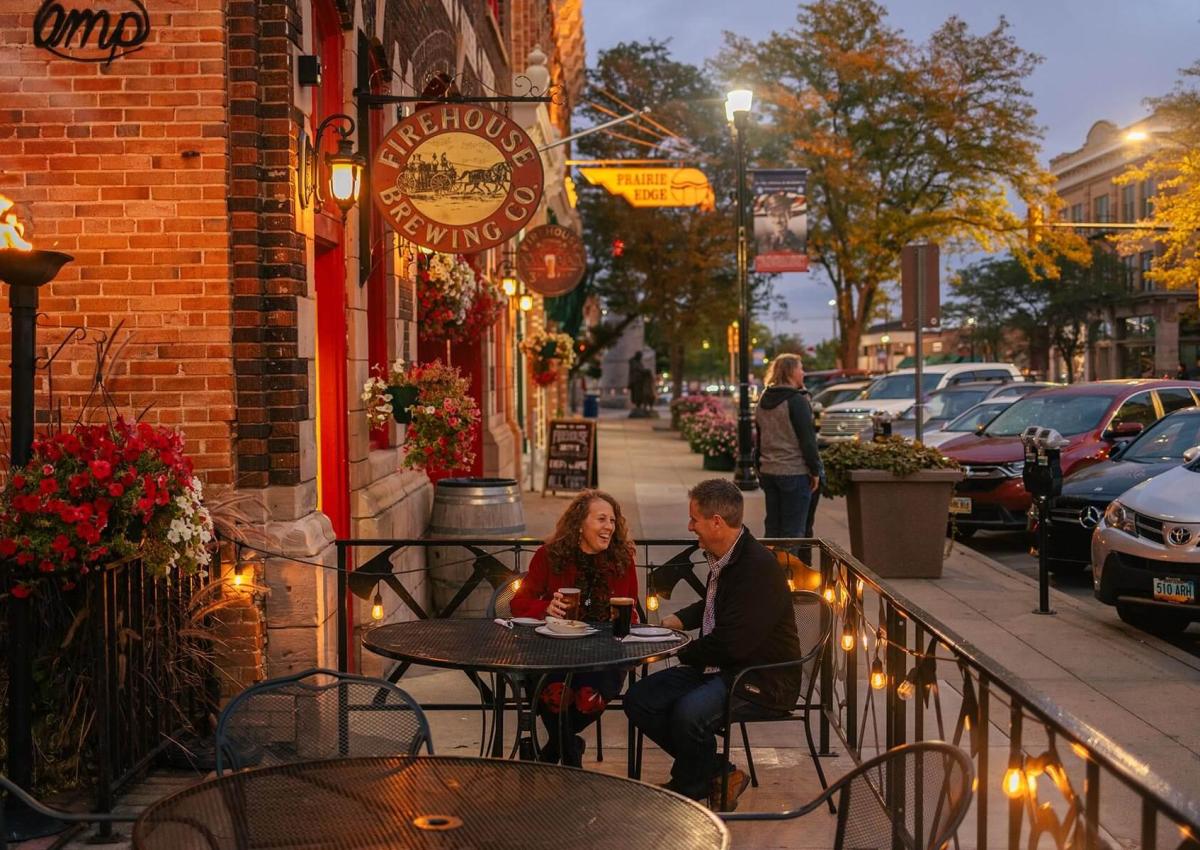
(960, 505)
(1174, 590)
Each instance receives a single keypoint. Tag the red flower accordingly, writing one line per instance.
(116, 490)
(48, 485)
(60, 544)
(46, 566)
(47, 469)
(18, 481)
(24, 558)
(20, 591)
(8, 547)
(102, 469)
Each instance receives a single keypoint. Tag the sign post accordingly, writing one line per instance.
(920, 305)
(570, 456)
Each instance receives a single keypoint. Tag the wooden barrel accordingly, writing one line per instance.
(472, 508)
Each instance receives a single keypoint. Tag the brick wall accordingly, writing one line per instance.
(125, 166)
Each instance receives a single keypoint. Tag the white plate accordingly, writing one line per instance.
(650, 631)
(545, 630)
(527, 621)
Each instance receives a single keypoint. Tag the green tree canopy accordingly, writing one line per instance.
(902, 141)
(1001, 295)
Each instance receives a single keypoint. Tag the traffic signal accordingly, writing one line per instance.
(618, 247)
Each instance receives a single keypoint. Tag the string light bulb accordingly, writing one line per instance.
(847, 637)
(878, 677)
(377, 607)
(828, 595)
(1014, 783)
(907, 688)
(652, 602)
(238, 578)
(516, 585)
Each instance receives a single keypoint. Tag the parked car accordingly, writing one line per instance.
(1094, 417)
(818, 380)
(834, 394)
(940, 407)
(1145, 552)
(898, 391)
(970, 422)
(1020, 389)
(1087, 493)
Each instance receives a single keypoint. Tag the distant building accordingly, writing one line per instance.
(1156, 329)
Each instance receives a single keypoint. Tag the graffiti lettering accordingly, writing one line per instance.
(90, 35)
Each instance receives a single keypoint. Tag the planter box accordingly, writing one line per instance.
(719, 463)
(898, 525)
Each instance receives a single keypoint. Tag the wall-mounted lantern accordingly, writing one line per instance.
(344, 166)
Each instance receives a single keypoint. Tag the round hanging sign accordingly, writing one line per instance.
(457, 178)
(551, 259)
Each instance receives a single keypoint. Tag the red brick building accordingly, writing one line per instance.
(250, 315)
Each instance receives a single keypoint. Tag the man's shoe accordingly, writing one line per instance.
(671, 785)
(575, 748)
(738, 781)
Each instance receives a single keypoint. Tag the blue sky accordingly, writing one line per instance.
(1102, 58)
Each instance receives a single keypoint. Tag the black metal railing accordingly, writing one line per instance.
(123, 662)
(893, 674)
(896, 674)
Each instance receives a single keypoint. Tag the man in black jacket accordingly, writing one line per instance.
(745, 619)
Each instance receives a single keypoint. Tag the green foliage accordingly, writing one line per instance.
(896, 455)
(1001, 295)
(902, 141)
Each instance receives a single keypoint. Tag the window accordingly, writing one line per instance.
(1139, 327)
(1100, 205)
(1174, 399)
(1166, 441)
(903, 386)
(1131, 268)
(1076, 212)
(1146, 260)
(1127, 203)
(995, 375)
(1066, 414)
(1137, 408)
(1147, 197)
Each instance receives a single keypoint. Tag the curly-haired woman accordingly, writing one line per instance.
(590, 549)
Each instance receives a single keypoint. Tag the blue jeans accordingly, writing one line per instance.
(788, 497)
(680, 709)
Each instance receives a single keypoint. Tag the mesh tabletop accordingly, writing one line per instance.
(484, 645)
(426, 802)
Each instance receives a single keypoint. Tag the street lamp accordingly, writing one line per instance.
(737, 112)
(833, 304)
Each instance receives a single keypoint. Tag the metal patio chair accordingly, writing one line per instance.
(814, 626)
(317, 715)
(914, 796)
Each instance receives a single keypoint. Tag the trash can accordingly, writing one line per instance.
(591, 406)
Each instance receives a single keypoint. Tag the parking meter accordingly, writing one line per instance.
(1042, 476)
(881, 420)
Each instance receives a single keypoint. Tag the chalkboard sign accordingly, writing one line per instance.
(571, 455)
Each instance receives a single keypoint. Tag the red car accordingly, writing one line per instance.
(1094, 417)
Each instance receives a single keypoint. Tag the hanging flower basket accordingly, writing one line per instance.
(454, 302)
(403, 397)
(549, 354)
(445, 421)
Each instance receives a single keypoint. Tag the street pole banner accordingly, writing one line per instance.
(919, 267)
(780, 219)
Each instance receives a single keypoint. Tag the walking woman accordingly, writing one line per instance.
(590, 552)
(789, 464)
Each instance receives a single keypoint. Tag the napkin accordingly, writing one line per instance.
(501, 622)
(636, 638)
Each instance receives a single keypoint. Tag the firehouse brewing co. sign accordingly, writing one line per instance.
(91, 35)
(457, 178)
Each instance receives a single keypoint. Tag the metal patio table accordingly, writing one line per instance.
(518, 654)
(416, 802)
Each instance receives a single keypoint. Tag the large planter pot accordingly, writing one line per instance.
(898, 525)
(719, 463)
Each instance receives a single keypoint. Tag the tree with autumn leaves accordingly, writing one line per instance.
(902, 141)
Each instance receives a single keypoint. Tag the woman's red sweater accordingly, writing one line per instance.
(540, 583)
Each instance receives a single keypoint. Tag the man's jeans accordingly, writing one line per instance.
(787, 504)
(680, 709)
